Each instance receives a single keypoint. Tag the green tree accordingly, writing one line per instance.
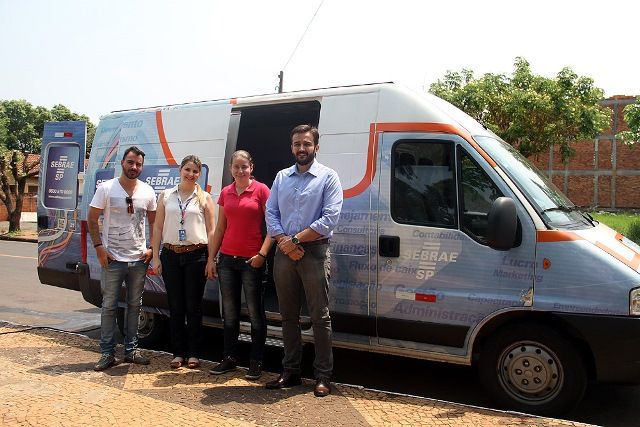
(529, 111)
(632, 117)
(21, 127)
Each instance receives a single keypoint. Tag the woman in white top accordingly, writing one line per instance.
(185, 223)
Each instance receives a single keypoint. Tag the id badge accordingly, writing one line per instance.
(182, 235)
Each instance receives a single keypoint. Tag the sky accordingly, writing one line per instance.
(99, 56)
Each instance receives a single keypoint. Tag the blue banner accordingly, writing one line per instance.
(104, 175)
(160, 177)
(63, 148)
(74, 132)
(61, 176)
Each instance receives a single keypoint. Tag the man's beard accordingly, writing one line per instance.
(132, 174)
(307, 160)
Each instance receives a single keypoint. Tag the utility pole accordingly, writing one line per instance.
(280, 78)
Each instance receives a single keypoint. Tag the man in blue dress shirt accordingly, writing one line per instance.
(302, 211)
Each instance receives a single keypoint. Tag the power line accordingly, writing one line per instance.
(303, 34)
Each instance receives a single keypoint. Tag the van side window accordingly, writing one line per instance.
(423, 183)
(477, 193)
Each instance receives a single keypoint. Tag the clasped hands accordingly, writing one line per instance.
(287, 247)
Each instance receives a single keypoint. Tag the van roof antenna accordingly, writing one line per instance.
(281, 75)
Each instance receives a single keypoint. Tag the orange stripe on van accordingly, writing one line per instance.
(233, 101)
(163, 140)
(547, 236)
(633, 263)
(372, 160)
(372, 151)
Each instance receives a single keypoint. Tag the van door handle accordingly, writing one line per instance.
(389, 246)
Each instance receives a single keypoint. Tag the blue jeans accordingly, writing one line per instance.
(234, 274)
(133, 275)
(311, 274)
(184, 278)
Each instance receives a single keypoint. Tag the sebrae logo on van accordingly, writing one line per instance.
(428, 257)
(159, 177)
(60, 165)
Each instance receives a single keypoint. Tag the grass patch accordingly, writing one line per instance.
(621, 222)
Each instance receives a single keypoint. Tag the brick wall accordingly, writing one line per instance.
(29, 204)
(604, 173)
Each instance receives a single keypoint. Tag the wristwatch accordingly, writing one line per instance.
(295, 240)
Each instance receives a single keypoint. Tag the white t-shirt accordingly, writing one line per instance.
(123, 233)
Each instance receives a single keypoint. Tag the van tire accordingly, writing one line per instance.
(152, 327)
(533, 369)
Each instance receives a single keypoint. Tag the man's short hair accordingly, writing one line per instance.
(304, 129)
(135, 150)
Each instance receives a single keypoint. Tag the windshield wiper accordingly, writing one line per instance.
(568, 209)
(559, 208)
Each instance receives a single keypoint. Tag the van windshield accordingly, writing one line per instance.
(554, 207)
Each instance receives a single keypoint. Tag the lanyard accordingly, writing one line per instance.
(183, 210)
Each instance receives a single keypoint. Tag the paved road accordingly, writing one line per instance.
(24, 300)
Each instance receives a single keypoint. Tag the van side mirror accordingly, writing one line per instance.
(503, 224)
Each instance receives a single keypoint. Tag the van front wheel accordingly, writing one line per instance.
(532, 369)
(152, 327)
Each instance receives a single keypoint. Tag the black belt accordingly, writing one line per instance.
(315, 242)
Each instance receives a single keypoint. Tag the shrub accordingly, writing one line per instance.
(633, 232)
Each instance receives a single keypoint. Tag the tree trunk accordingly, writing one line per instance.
(14, 219)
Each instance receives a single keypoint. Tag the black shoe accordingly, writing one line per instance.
(106, 361)
(136, 357)
(286, 379)
(255, 370)
(322, 388)
(228, 364)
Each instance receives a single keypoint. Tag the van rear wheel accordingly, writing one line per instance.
(532, 368)
(152, 327)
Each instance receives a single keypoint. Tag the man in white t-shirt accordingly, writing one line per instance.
(125, 202)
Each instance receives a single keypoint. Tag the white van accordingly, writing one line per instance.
(450, 247)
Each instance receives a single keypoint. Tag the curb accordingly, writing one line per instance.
(19, 239)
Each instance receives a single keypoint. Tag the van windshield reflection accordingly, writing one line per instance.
(556, 209)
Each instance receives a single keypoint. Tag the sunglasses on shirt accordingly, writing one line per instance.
(129, 201)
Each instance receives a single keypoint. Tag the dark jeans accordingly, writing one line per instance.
(310, 273)
(234, 274)
(184, 278)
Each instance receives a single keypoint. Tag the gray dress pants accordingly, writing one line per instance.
(310, 273)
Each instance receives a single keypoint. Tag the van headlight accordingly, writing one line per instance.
(634, 302)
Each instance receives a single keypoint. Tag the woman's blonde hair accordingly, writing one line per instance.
(200, 194)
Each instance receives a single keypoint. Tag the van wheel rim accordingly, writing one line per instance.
(145, 324)
(530, 373)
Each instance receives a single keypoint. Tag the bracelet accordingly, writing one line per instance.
(263, 256)
(96, 245)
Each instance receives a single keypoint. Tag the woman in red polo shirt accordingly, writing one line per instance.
(238, 237)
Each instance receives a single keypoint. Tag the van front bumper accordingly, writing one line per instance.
(614, 342)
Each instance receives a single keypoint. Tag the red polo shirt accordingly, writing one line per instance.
(245, 216)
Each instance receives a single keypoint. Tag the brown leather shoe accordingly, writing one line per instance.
(286, 379)
(322, 388)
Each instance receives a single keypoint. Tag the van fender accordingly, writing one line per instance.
(512, 315)
(494, 321)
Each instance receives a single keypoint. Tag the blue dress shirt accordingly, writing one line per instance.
(300, 200)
